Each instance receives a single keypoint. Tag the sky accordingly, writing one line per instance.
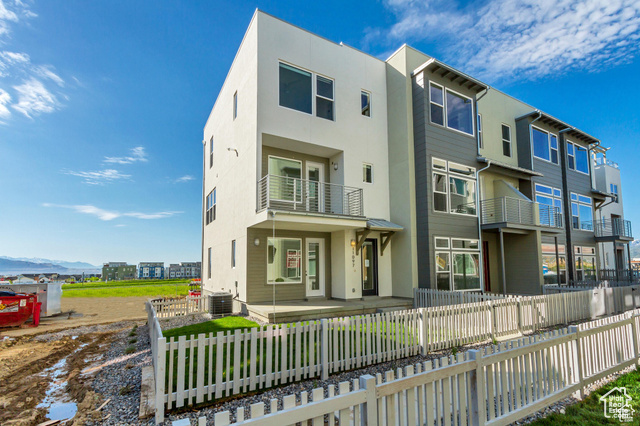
(103, 104)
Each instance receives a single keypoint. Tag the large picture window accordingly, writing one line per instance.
(458, 108)
(581, 212)
(295, 88)
(284, 261)
(585, 263)
(454, 187)
(578, 158)
(457, 264)
(554, 264)
(286, 186)
(545, 145)
(548, 198)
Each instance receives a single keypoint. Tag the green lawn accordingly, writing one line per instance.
(170, 290)
(222, 324)
(590, 411)
(126, 283)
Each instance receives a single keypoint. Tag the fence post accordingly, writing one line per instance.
(634, 331)
(492, 319)
(159, 378)
(422, 331)
(564, 308)
(369, 410)
(574, 329)
(519, 307)
(477, 398)
(324, 345)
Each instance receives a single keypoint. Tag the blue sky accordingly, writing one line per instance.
(102, 104)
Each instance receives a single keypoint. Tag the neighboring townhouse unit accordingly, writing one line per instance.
(615, 252)
(151, 270)
(183, 270)
(118, 271)
(329, 173)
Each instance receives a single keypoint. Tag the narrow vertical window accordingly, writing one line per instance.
(436, 101)
(213, 208)
(324, 97)
(211, 152)
(506, 140)
(554, 149)
(235, 105)
(367, 173)
(571, 156)
(480, 141)
(233, 253)
(209, 264)
(365, 103)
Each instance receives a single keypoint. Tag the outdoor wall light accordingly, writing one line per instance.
(353, 243)
(335, 166)
(256, 242)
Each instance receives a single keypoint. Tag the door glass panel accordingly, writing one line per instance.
(313, 188)
(368, 283)
(312, 267)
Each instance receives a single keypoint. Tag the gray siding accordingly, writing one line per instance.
(257, 288)
(524, 147)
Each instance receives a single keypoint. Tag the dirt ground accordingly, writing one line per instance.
(86, 311)
(31, 367)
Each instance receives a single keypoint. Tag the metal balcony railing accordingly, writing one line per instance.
(305, 196)
(518, 211)
(611, 228)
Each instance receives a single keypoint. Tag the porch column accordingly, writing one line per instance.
(615, 260)
(504, 274)
(555, 239)
(629, 264)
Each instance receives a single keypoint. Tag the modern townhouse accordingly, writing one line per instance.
(329, 173)
(183, 270)
(151, 270)
(118, 271)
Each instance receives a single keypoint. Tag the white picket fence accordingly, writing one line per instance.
(427, 297)
(497, 385)
(175, 307)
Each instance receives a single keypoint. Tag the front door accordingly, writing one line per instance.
(314, 190)
(315, 267)
(369, 255)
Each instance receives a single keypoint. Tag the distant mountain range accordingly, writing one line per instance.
(23, 265)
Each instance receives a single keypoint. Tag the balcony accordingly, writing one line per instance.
(305, 196)
(518, 212)
(612, 230)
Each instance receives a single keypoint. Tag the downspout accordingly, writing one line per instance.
(479, 212)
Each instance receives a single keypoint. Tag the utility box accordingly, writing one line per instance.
(220, 304)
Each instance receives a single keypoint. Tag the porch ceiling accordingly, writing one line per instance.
(308, 222)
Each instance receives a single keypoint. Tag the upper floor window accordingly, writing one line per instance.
(548, 198)
(577, 158)
(297, 91)
(211, 152)
(324, 97)
(233, 253)
(459, 109)
(454, 188)
(506, 140)
(613, 189)
(480, 140)
(365, 103)
(367, 173)
(581, 212)
(211, 207)
(285, 182)
(235, 105)
(545, 145)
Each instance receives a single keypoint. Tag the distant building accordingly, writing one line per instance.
(118, 271)
(151, 270)
(184, 270)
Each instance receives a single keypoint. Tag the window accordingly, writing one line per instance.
(571, 156)
(365, 103)
(454, 187)
(613, 189)
(581, 212)
(457, 264)
(480, 141)
(578, 158)
(208, 264)
(211, 152)
(436, 101)
(284, 261)
(295, 88)
(233, 253)
(585, 263)
(554, 264)
(459, 113)
(285, 184)
(211, 207)
(545, 145)
(367, 173)
(235, 105)
(506, 140)
(324, 98)
(548, 198)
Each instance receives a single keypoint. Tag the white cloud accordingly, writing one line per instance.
(137, 154)
(7, 15)
(45, 71)
(504, 39)
(99, 177)
(5, 99)
(34, 99)
(185, 178)
(108, 215)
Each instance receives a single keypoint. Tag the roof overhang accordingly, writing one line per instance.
(574, 133)
(445, 71)
(508, 166)
(383, 225)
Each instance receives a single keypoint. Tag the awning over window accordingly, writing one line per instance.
(383, 225)
(386, 229)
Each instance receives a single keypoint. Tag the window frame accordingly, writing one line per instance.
(316, 95)
(235, 105)
(448, 174)
(301, 261)
(233, 254)
(444, 111)
(549, 134)
(364, 167)
(450, 252)
(211, 152)
(553, 196)
(571, 156)
(368, 93)
(295, 200)
(210, 206)
(613, 189)
(479, 131)
(312, 88)
(209, 264)
(446, 115)
(577, 149)
(502, 126)
(577, 201)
